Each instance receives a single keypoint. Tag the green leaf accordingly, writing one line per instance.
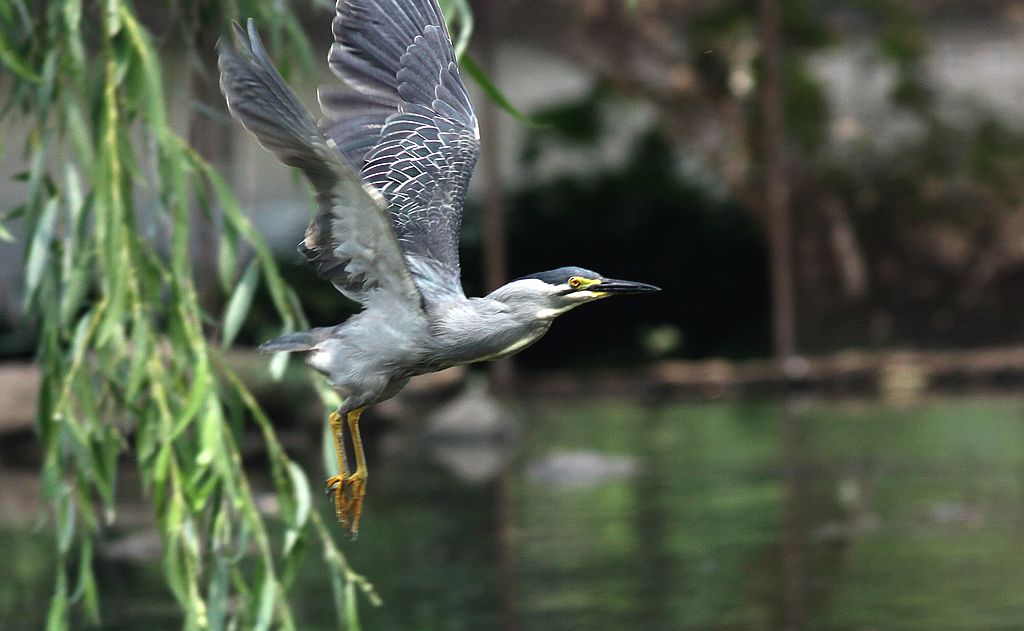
(87, 583)
(80, 340)
(198, 397)
(175, 568)
(76, 287)
(327, 452)
(16, 64)
(278, 365)
(300, 488)
(189, 537)
(210, 427)
(351, 606)
(56, 619)
(113, 17)
(44, 96)
(265, 609)
(238, 306)
(161, 469)
(39, 249)
(217, 594)
(72, 14)
(65, 520)
(459, 13)
(75, 204)
(80, 137)
(338, 591)
(37, 169)
(300, 485)
(142, 345)
(227, 256)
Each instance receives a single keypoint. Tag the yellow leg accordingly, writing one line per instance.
(356, 481)
(336, 483)
(349, 488)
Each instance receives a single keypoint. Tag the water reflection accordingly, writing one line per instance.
(791, 461)
(474, 436)
(816, 515)
(803, 515)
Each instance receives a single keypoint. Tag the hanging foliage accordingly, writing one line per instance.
(124, 343)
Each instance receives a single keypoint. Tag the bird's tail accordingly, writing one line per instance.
(291, 343)
(298, 341)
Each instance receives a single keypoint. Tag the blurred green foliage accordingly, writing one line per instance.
(125, 346)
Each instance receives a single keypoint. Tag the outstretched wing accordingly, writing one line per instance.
(407, 124)
(350, 241)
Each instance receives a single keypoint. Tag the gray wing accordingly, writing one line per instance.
(350, 241)
(407, 124)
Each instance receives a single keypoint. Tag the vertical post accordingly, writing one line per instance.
(776, 189)
(494, 239)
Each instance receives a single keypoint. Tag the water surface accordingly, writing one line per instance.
(726, 515)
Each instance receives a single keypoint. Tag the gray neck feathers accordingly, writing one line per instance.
(499, 325)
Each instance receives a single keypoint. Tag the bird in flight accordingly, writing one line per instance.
(389, 162)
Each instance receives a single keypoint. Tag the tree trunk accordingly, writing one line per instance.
(776, 190)
(494, 239)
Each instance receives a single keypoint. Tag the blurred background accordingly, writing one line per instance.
(815, 424)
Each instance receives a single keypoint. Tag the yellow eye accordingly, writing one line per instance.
(575, 282)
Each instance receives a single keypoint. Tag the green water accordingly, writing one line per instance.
(708, 516)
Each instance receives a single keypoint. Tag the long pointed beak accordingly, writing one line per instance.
(614, 286)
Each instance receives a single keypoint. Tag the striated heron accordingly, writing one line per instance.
(390, 162)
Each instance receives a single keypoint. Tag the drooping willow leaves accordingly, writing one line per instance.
(125, 345)
(127, 351)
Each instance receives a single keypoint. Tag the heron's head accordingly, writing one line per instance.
(554, 292)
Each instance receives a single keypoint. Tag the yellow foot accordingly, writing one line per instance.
(349, 491)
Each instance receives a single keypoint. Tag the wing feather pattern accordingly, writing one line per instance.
(350, 240)
(406, 122)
